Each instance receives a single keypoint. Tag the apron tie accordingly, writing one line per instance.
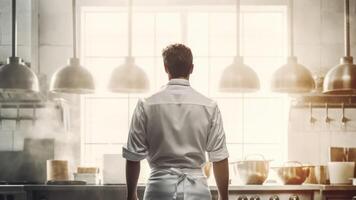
(181, 177)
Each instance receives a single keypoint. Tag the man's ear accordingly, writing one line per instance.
(166, 69)
(191, 69)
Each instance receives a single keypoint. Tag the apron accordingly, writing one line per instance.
(177, 184)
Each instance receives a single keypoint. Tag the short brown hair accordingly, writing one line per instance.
(178, 59)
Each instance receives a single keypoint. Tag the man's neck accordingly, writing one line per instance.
(186, 78)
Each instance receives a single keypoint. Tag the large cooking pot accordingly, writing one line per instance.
(252, 172)
(292, 173)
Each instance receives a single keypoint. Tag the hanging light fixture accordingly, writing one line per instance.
(73, 78)
(292, 77)
(129, 77)
(239, 77)
(341, 79)
(15, 76)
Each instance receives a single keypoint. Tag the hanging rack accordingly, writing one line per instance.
(319, 101)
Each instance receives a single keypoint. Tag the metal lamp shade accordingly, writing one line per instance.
(341, 79)
(72, 79)
(16, 77)
(292, 78)
(239, 77)
(128, 78)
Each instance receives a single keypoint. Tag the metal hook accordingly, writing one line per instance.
(34, 115)
(0, 116)
(327, 118)
(344, 119)
(312, 119)
(17, 116)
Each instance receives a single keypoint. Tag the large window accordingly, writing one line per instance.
(254, 123)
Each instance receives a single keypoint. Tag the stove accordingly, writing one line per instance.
(271, 192)
(278, 195)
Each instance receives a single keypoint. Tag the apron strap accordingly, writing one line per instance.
(181, 177)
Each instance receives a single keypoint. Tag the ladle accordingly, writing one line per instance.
(344, 119)
(312, 119)
(327, 118)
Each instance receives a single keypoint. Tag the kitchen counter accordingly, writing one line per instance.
(214, 188)
(108, 192)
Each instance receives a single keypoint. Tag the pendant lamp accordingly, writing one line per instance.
(341, 79)
(129, 77)
(73, 78)
(15, 76)
(239, 77)
(292, 77)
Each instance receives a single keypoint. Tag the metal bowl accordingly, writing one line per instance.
(292, 175)
(253, 172)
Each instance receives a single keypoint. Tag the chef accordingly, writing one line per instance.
(174, 129)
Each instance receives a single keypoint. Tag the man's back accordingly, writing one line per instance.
(178, 123)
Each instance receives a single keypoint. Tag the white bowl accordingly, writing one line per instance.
(341, 172)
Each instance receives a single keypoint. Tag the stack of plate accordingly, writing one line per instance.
(88, 174)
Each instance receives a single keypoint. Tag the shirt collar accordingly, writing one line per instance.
(179, 81)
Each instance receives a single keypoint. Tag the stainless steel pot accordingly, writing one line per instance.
(292, 175)
(252, 172)
(318, 175)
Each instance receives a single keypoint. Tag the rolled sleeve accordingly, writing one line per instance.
(136, 147)
(216, 143)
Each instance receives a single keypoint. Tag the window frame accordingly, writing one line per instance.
(182, 10)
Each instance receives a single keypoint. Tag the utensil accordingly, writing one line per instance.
(252, 172)
(292, 175)
(341, 172)
(327, 118)
(312, 119)
(344, 119)
(318, 175)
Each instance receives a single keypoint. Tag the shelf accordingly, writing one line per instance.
(321, 100)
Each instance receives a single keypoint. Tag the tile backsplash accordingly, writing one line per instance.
(310, 143)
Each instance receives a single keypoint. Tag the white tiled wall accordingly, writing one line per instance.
(310, 143)
(23, 30)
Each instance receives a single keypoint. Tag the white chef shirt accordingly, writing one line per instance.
(175, 128)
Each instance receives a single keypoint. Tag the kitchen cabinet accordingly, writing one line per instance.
(338, 192)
